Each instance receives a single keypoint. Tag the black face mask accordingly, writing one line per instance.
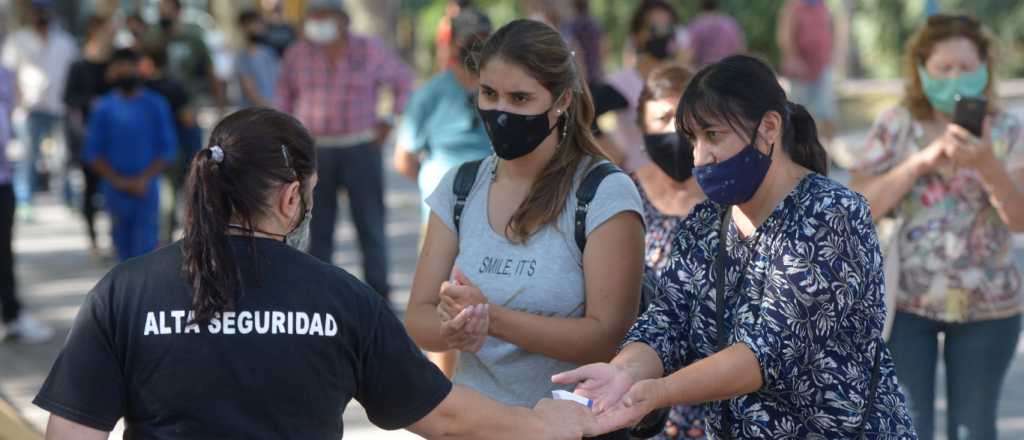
(658, 46)
(42, 21)
(257, 38)
(513, 135)
(166, 24)
(127, 84)
(671, 153)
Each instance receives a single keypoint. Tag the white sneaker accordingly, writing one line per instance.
(28, 330)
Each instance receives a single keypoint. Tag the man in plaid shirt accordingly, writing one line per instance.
(330, 81)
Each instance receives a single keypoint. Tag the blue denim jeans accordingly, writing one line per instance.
(37, 126)
(977, 356)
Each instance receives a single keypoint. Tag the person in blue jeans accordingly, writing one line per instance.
(331, 81)
(40, 54)
(17, 326)
(131, 139)
(957, 198)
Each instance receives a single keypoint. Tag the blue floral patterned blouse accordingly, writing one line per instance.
(804, 292)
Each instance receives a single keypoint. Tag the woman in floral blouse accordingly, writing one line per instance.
(960, 201)
(795, 348)
(669, 193)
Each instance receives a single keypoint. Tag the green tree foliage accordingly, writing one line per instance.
(879, 28)
(882, 28)
(1006, 20)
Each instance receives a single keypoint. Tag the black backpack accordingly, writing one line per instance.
(465, 177)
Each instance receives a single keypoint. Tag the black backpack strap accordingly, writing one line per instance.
(585, 194)
(465, 177)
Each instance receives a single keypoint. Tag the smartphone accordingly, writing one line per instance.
(970, 113)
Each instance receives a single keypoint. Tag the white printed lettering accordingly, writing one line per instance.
(151, 328)
(177, 315)
(193, 327)
(244, 322)
(214, 326)
(164, 328)
(330, 325)
(229, 323)
(316, 328)
(262, 325)
(302, 323)
(278, 323)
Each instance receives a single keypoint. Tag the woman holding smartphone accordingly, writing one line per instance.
(958, 199)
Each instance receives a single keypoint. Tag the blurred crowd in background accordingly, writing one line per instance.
(104, 102)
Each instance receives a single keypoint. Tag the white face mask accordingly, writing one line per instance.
(321, 31)
(298, 238)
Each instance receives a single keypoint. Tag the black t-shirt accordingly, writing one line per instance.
(177, 96)
(304, 339)
(86, 82)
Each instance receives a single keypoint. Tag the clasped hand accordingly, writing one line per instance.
(464, 313)
(136, 186)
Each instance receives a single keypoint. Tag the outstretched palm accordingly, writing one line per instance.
(605, 384)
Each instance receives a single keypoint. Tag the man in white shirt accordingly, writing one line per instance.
(16, 325)
(39, 54)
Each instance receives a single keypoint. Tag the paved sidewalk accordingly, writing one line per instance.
(12, 426)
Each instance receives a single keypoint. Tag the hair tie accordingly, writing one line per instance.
(217, 153)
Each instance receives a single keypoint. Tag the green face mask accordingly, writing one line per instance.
(942, 92)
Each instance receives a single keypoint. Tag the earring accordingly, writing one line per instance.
(565, 128)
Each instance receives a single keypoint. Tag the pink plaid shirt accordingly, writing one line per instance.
(341, 99)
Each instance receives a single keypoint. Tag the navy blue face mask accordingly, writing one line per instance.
(737, 179)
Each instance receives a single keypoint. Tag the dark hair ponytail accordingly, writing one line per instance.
(209, 264)
(230, 181)
(805, 148)
(739, 91)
